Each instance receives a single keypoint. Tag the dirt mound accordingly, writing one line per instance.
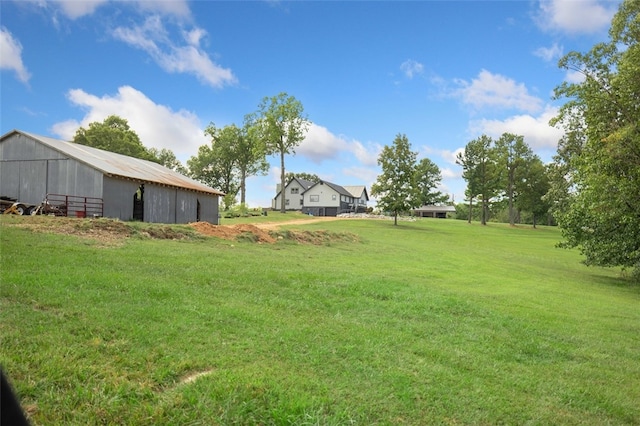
(233, 232)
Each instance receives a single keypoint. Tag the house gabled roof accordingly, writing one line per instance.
(357, 191)
(305, 184)
(339, 189)
(118, 165)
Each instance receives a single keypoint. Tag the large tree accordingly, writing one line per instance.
(215, 164)
(601, 117)
(532, 188)
(469, 161)
(479, 170)
(427, 178)
(282, 126)
(167, 158)
(115, 135)
(395, 189)
(250, 155)
(512, 156)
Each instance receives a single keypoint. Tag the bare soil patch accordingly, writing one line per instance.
(232, 232)
(110, 232)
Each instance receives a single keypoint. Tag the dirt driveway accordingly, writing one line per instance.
(312, 219)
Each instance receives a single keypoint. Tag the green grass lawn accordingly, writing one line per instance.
(428, 322)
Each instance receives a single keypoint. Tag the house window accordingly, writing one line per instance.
(301, 201)
(314, 198)
(333, 197)
(286, 202)
(295, 190)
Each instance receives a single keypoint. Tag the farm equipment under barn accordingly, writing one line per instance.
(56, 205)
(10, 205)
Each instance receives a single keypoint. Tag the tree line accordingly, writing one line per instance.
(504, 171)
(592, 186)
(235, 153)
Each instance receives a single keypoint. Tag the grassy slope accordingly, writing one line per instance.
(428, 322)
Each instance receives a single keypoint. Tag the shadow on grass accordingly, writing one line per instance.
(622, 280)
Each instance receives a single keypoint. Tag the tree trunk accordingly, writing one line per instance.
(484, 211)
(511, 215)
(470, 207)
(243, 186)
(395, 218)
(282, 182)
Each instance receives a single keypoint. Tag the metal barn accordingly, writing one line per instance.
(34, 167)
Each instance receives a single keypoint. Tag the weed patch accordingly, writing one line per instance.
(319, 237)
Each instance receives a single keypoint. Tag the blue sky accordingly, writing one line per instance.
(441, 72)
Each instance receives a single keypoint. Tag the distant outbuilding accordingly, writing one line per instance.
(34, 168)
(434, 211)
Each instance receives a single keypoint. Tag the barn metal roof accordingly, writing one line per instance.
(118, 165)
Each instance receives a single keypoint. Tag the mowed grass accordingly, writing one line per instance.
(429, 322)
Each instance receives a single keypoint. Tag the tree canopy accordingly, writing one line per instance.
(215, 164)
(250, 155)
(115, 135)
(599, 157)
(427, 178)
(281, 126)
(311, 177)
(513, 156)
(167, 158)
(479, 164)
(395, 189)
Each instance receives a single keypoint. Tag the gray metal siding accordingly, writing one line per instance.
(33, 181)
(9, 179)
(209, 205)
(186, 206)
(69, 177)
(118, 198)
(161, 204)
(29, 170)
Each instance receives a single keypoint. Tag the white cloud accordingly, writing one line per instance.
(153, 38)
(549, 54)
(495, 90)
(448, 173)
(574, 77)
(365, 174)
(158, 126)
(451, 156)
(74, 9)
(320, 145)
(537, 132)
(177, 8)
(410, 68)
(11, 55)
(584, 16)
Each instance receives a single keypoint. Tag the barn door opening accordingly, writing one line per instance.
(138, 204)
(198, 211)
